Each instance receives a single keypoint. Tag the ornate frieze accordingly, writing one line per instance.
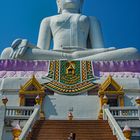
(71, 77)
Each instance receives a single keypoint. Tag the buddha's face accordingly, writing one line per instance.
(71, 4)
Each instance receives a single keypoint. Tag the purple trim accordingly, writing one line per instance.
(20, 65)
(117, 66)
(104, 66)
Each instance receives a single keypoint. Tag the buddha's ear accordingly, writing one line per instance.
(59, 11)
(59, 6)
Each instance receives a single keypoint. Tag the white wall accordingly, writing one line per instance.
(129, 98)
(13, 98)
(8, 134)
(84, 107)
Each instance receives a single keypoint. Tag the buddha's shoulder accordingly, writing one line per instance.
(45, 20)
(83, 16)
(48, 19)
(93, 19)
(89, 18)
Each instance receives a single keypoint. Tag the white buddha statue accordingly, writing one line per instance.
(75, 37)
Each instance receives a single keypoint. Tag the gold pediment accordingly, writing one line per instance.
(110, 85)
(31, 87)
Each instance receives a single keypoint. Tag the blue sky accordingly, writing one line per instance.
(120, 20)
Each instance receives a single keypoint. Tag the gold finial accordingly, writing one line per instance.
(127, 132)
(37, 99)
(16, 132)
(138, 100)
(4, 100)
(105, 100)
(70, 116)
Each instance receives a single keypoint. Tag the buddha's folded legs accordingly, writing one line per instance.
(91, 54)
(37, 54)
(115, 55)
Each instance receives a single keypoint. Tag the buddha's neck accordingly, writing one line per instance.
(70, 11)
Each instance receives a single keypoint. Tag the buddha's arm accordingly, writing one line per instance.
(45, 36)
(21, 47)
(95, 34)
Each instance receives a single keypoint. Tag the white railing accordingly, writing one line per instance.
(113, 124)
(18, 112)
(29, 124)
(2, 117)
(129, 113)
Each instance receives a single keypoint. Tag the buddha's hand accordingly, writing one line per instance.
(19, 48)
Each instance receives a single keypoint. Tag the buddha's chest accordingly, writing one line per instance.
(67, 23)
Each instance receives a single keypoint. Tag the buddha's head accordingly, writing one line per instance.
(69, 4)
